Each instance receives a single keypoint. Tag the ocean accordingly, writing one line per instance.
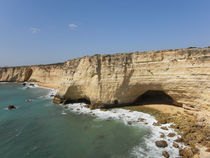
(38, 128)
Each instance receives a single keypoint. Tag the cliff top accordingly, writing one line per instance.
(116, 54)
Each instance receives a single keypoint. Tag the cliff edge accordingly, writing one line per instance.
(180, 76)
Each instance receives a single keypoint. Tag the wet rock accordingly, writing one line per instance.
(186, 153)
(164, 128)
(129, 123)
(175, 145)
(87, 106)
(179, 140)
(161, 144)
(156, 124)
(141, 119)
(52, 95)
(163, 121)
(66, 107)
(92, 107)
(109, 119)
(24, 84)
(162, 135)
(171, 134)
(10, 107)
(165, 154)
(31, 84)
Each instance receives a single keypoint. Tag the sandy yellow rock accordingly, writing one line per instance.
(183, 74)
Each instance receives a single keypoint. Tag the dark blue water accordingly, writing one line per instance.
(38, 129)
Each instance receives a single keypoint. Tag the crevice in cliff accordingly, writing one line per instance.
(155, 97)
(28, 74)
(98, 69)
(126, 74)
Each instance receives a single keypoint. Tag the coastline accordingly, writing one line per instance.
(193, 133)
(163, 114)
(137, 119)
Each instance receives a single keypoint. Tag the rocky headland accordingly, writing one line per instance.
(177, 77)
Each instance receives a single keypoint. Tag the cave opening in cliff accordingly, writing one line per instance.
(81, 100)
(154, 97)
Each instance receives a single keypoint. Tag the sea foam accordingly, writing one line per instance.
(138, 119)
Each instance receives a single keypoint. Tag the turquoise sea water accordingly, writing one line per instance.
(39, 129)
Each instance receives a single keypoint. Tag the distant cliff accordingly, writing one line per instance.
(118, 79)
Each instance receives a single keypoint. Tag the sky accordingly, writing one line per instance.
(51, 31)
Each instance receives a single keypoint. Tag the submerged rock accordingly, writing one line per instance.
(141, 119)
(129, 123)
(28, 100)
(10, 107)
(161, 143)
(66, 107)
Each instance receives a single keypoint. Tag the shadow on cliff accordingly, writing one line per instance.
(148, 97)
(28, 74)
(155, 97)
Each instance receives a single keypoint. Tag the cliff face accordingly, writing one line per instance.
(182, 74)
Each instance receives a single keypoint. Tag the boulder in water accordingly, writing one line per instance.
(31, 84)
(10, 107)
(165, 154)
(161, 144)
(24, 84)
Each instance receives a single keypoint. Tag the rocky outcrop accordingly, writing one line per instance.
(114, 80)
(10, 107)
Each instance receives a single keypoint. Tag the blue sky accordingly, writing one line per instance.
(49, 31)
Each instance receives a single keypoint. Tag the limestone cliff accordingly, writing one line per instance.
(118, 79)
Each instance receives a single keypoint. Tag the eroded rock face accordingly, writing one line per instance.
(119, 79)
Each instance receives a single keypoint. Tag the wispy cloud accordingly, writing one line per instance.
(34, 30)
(72, 26)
